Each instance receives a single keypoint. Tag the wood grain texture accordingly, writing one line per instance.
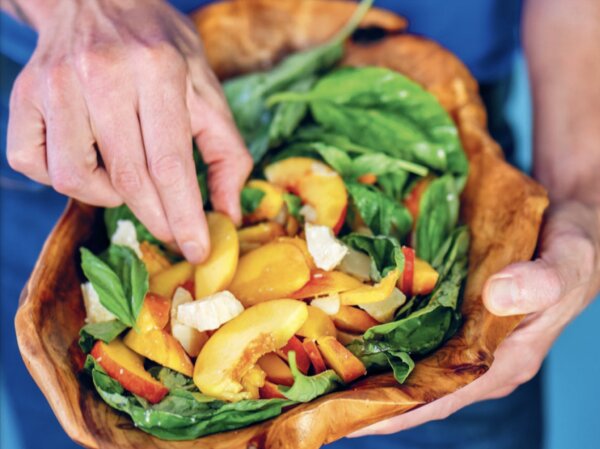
(502, 206)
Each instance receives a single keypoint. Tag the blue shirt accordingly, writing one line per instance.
(483, 33)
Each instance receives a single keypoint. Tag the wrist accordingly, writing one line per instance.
(35, 13)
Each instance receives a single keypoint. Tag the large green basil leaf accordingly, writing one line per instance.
(182, 414)
(307, 388)
(378, 358)
(379, 108)
(247, 94)
(438, 215)
(381, 214)
(287, 116)
(106, 331)
(386, 253)
(133, 275)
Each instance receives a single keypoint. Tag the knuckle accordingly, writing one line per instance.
(161, 55)
(90, 63)
(167, 169)
(22, 88)
(67, 180)
(20, 161)
(126, 180)
(246, 163)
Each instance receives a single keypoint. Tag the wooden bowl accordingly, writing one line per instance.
(501, 205)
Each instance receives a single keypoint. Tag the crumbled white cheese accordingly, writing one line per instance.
(325, 249)
(329, 304)
(94, 310)
(309, 213)
(357, 264)
(125, 235)
(191, 340)
(211, 312)
(383, 311)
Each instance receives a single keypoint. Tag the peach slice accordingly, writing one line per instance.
(270, 391)
(366, 294)
(271, 202)
(274, 270)
(277, 370)
(302, 246)
(342, 361)
(324, 283)
(160, 347)
(302, 360)
(154, 313)
(127, 368)
(216, 272)
(233, 350)
(165, 282)
(254, 236)
(346, 338)
(353, 320)
(413, 199)
(316, 359)
(153, 258)
(318, 324)
(424, 278)
(316, 184)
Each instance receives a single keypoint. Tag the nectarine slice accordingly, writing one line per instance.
(323, 283)
(272, 271)
(366, 294)
(270, 391)
(303, 247)
(346, 338)
(302, 360)
(424, 278)
(160, 347)
(254, 236)
(127, 368)
(316, 184)
(342, 361)
(270, 204)
(166, 281)
(316, 359)
(154, 313)
(233, 350)
(277, 370)
(216, 272)
(351, 319)
(318, 324)
(153, 258)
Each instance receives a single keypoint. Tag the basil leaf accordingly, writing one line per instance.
(108, 286)
(438, 215)
(247, 95)
(307, 388)
(172, 379)
(377, 358)
(250, 199)
(114, 214)
(381, 214)
(182, 415)
(381, 164)
(293, 204)
(380, 108)
(287, 116)
(386, 253)
(106, 331)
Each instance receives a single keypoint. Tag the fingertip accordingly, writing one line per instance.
(500, 294)
(195, 251)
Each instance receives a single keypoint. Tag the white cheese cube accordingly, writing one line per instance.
(211, 312)
(125, 235)
(309, 213)
(329, 304)
(325, 249)
(383, 311)
(357, 264)
(94, 310)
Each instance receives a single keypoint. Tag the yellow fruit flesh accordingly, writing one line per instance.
(270, 204)
(165, 282)
(371, 293)
(318, 324)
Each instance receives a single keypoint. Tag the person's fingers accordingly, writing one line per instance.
(71, 156)
(223, 149)
(117, 131)
(568, 253)
(165, 123)
(26, 135)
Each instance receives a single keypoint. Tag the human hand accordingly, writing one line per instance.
(553, 290)
(105, 111)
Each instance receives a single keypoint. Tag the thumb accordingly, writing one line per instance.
(566, 262)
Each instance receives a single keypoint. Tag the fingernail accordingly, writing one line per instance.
(193, 251)
(502, 293)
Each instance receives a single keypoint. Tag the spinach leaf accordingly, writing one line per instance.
(386, 253)
(438, 215)
(393, 184)
(106, 331)
(293, 204)
(380, 358)
(379, 108)
(307, 388)
(428, 327)
(183, 415)
(250, 199)
(114, 214)
(247, 94)
(382, 164)
(172, 379)
(121, 281)
(381, 214)
(287, 116)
